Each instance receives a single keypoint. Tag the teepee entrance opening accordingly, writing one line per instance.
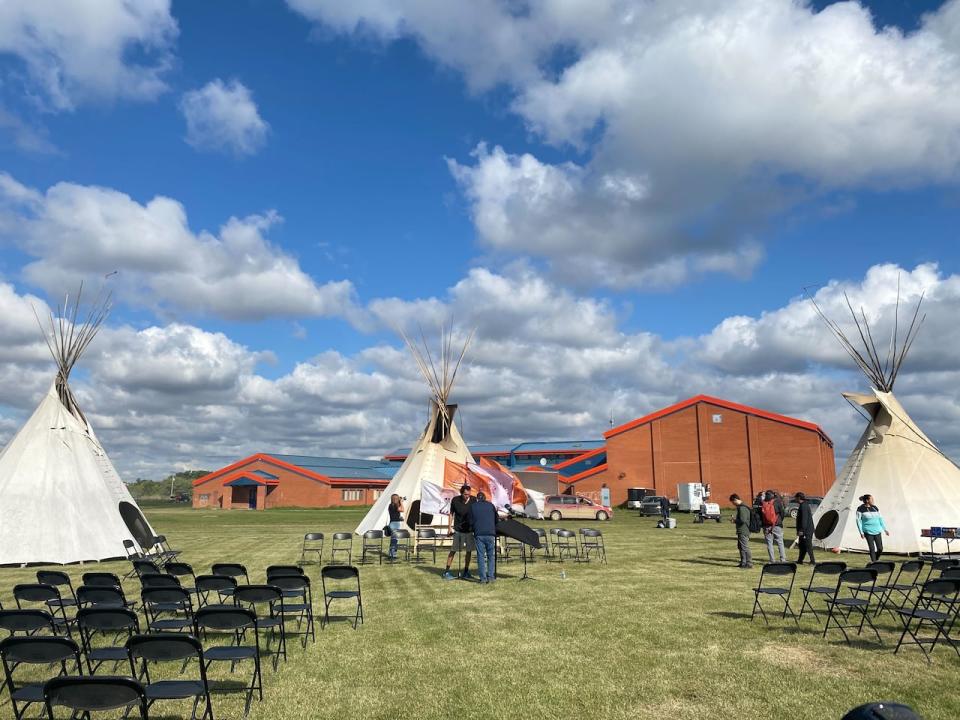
(136, 523)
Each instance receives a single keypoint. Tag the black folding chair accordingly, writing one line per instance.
(782, 571)
(177, 648)
(938, 565)
(164, 548)
(848, 599)
(134, 552)
(83, 695)
(222, 585)
(232, 622)
(59, 580)
(426, 540)
(591, 541)
(102, 596)
(296, 587)
(404, 547)
(312, 551)
(266, 601)
(273, 570)
(900, 590)
(101, 579)
(17, 652)
(342, 545)
(342, 579)
(146, 567)
(885, 569)
(829, 569)
(935, 605)
(48, 597)
(566, 545)
(233, 570)
(106, 622)
(373, 544)
(181, 571)
(27, 622)
(154, 580)
(167, 609)
(544, 543)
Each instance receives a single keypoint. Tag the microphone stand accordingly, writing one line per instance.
(523, 546)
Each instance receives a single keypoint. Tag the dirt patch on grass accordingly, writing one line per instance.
(798, 659)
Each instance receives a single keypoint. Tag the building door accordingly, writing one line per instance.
(252, 498)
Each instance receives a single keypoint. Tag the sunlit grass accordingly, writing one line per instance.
(662, 631)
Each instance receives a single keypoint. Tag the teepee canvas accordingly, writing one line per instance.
(62, 499)
(915, 485)
(440, 441)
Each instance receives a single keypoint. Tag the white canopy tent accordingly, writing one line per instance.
(914, 484)
(62, 500)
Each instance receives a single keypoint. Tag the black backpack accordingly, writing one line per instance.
(756, 520)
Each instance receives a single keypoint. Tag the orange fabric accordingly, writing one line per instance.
(455, 475)
(518, 495)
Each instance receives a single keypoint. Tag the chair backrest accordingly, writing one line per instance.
(152, 580)
(831, 567)
(940, 587)
(340, 572)
(256, 594)
(166, 595)
(100, 595)
(25, 621)
(912, 566)
(108, 619)
(566, 534)
(373, 535)
(290, 582)
(284, 570)
(56, 578)
(35, 592)
(590, 532)
(779, 569)
(883, 567)
(540, 532)
(178, 569)
(163, 647)
(857, 576)
(343, 536)
(941, 564)
(229, 569)
(224, 617)
(426, 534)
(101, 579)
(38, 650)
(145, 566)
(952, 573)
(401, 534)
(215, 583)
(313, 537)
(94, 694)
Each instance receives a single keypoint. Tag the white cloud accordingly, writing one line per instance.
(546, 363)
(75, 51)
(78, 231)
(224, 118)
(699, 120)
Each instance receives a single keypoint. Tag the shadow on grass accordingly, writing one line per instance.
(730, 615)
(722, 562)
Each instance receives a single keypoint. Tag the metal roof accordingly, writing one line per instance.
(335, 467)
(534, 447)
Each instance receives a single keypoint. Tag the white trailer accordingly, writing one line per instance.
(690, 496)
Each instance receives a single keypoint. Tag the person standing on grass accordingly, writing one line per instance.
(771, 517)
(462, 531)
(665, 509)
(483, 519)
(804, 528)
(870, 524)
(741, 520)
(395, 511)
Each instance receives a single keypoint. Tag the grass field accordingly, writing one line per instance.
(662, 631)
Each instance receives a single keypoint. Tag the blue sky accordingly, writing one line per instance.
(593, 179)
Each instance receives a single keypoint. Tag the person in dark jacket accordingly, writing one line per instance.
(483, 519)
(395, 511)
(804, 528)
(665, 509)
(772, 509)
(741, 520)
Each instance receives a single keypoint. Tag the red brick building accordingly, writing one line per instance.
(266, 481)
(733, 448)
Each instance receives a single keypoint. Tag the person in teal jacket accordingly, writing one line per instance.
(870, 524)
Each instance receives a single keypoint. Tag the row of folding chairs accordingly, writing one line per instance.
(918, 595)
(159, 552)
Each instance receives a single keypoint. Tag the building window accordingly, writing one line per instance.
(718, 418)
(349, 495)
(377, 494)
(204, 497)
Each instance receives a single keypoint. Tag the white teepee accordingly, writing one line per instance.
(440, 441)
(62, 499)
(913, 483)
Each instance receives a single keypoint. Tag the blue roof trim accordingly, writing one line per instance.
(265, 474)
(244, 482)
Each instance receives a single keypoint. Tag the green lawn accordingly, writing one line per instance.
(662, 631)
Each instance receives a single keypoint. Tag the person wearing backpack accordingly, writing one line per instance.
(771, 518)
(741, 520)
(804, 528)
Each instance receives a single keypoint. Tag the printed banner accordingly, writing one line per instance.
(435, 500)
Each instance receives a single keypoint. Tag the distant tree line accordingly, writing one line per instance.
(143, 489)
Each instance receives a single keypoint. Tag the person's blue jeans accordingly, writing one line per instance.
(486, 556)
(394, 526)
